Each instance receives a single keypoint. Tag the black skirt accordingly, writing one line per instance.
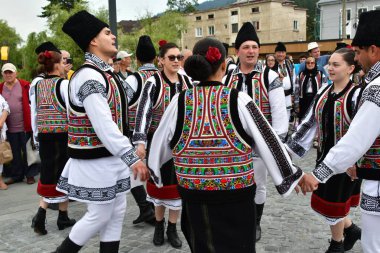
(219, 226)
(53, 153)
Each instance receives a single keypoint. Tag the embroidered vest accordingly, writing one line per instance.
(302, 77)
(163, 97)
(141, 76)
(371, 159)
(210, 154)
(83, 143)
(259, 91)
(342, 115)
(51, 108)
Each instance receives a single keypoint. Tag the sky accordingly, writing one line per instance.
(22, 14)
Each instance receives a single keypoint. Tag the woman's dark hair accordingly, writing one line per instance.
(164, 49)
(47, 59)
(197, 66)
(348, 55)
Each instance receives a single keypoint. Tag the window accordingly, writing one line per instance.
(376, 7)
(198, 32)
(225, 26)
(211, 30)
(210, 16)
(348, 15)
(197, 18)
(295, 25)
(234, 13)
(361, 10)
(256, 24)
(235, 27)
(255, 10)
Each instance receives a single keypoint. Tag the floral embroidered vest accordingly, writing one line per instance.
(83, 143)
(342, 116)
(51, 108)
(141, 76)
(210, 154)
(371, 159)
(259, 91)
(164, 96)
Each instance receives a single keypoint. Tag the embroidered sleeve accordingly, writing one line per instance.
(372, 94)
(271, 140)
(277, 83)
(130, 157)
(322, 172)
(144, 113)
(128, 90)
(91, 87)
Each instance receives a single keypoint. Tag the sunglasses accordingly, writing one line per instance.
(310, 62)
(173, 57)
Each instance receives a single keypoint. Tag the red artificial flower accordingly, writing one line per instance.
(213, 54)
(161, 43)
(47, 54)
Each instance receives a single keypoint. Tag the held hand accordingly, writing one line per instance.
(140, 168)
(351, 172)
(308, 183)
(140, 151)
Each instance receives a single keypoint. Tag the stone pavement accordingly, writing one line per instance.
(289, 224)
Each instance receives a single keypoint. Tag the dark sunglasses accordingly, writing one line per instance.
(310, 62)
(173, 57)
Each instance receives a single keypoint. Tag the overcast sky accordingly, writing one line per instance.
(22, 14)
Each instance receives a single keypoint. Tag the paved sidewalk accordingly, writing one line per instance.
(289, 224)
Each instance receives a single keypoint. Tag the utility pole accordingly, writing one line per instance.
(344, 19)
(112, 17)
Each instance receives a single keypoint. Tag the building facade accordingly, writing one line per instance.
(274, 20)
(330, 16)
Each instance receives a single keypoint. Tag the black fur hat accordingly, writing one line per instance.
(280, 47)
(368, 32)
(82, 27)
(246, 32)
(46, 46)
(145, 51)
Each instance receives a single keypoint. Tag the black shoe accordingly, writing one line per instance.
(109, 247)
(158, 238)
(38, 222)
(259, 214)
(335, 247)
(146, 209)
(172, 234)
(68, 246)
(258, 232)
(64, 221)
(351, 235)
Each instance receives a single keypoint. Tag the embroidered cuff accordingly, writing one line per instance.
(285, 185)
(322, 172)
(130, 157)
(91, 87)
(139, 137)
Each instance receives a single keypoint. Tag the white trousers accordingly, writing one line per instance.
(107, 219)
(370, 233)
(261, 175)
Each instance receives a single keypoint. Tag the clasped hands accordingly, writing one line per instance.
(308, 183)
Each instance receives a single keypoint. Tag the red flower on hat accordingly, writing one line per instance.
(47, 54)
(213, 54)
(161, 43)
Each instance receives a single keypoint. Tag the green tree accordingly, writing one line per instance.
(185, 6)
(311, 6)
(29, 57)
(9, 37)
(167, 27)
(66, 5)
